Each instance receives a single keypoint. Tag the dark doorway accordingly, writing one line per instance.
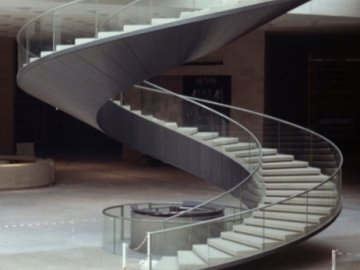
(313, 79)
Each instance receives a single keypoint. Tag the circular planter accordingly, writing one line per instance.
(25, 172)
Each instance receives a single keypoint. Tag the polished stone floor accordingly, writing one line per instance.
(60, 227)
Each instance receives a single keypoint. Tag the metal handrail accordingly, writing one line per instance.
(166, 91)
(163, 90)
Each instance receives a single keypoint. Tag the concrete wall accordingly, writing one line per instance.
(243, 60)
(7, 94)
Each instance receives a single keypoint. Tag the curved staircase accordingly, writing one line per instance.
(281, 182)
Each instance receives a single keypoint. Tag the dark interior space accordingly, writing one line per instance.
(55, 133)
(327, 65)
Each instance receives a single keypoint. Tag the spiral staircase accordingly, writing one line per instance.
(281, 182)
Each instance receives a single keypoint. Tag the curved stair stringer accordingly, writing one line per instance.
(81, 79)
(189, 152)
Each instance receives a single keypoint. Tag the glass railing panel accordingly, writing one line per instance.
(167, 245)
(127, 15)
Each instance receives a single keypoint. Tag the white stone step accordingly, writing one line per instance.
(206, 135)
(46, 53)
(278, 224)
(321, 210)
(288, 193)
(172, 125)
(232, 248)
(109, 34)
(188, 130)
(211, 255)
(61, 47)
(80, 41)
(219, 141)
(254, 152)
(272, 158)
(313, 218)
(294, 178)
(134, 27)
(166, 263)
(33, 59)
(126, 107)
(289, 171)
(282, 235)
(188, 260)
(285, 165)
(238, 147)
(303, 200)
(299, 186)
(249, 240)
(157, 21)
(138, 112)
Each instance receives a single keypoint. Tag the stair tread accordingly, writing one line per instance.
(205, 135)
(209, 254)
(300, 209)
(300, 186)
(166, 263)
(289, 171)
(290, 225)
(238, 146)
(285, 164)
(294, 178)
(231, 247)
(251, 240)
(268, 232)
(288, 193)
(303, 200)
(315, 218)
(189, 258)
(223, 141)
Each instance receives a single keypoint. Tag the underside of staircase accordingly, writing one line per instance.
(282, 187)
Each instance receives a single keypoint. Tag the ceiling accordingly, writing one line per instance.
(15, 13)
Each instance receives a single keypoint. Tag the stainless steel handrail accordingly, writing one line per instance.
(161, 89)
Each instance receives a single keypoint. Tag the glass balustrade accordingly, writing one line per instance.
(82, 21)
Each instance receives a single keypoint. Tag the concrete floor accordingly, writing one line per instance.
(60, 227)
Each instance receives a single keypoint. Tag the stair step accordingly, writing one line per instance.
(211, 255)
(313, 218)
(321, 210)
(170, 125)
(249, 240)
(61, 47)
(278, 224)
(166, 263)
(219, 141)
(46, 53)
(206, 135)
(285, 165)
(33, 59)
(312, 194)
(302, 200)
(157, 21)
(109, 34)
(272, 158)
(254, 152)
(238, 147)
(289, 171)
(282, 235)
(80, 41)
(299, 186)
(188, 130)
(232, 248)
(294, 178)
(134, 27)
(188, 260)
